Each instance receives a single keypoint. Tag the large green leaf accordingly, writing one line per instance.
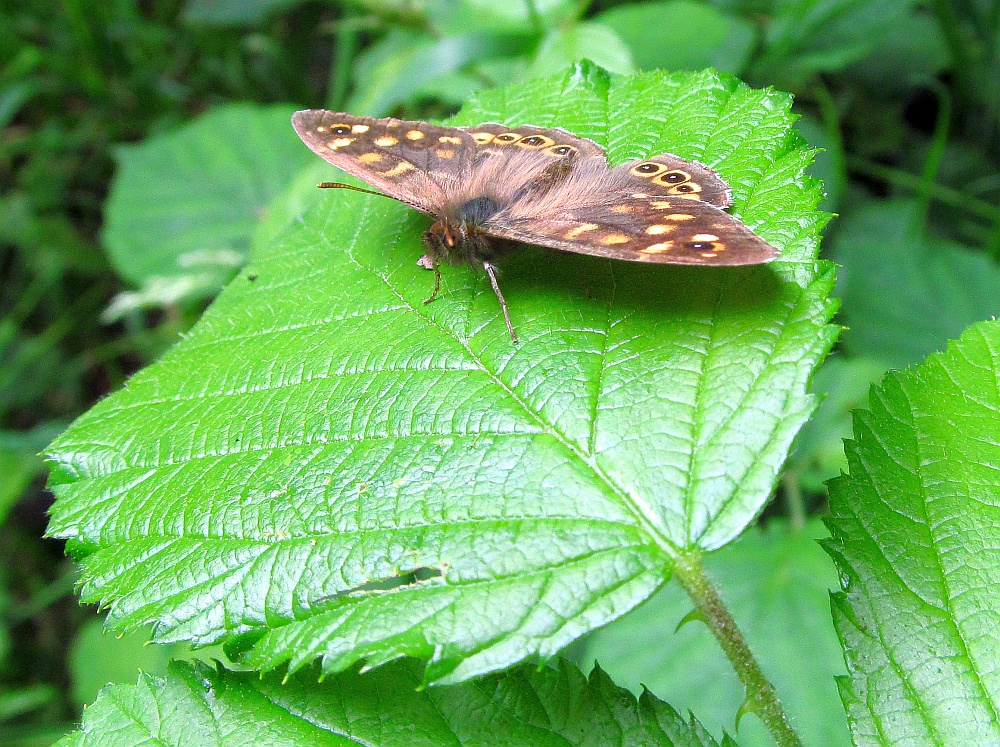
(326, 466)
(915, 536)
(184, 205)
(558, 707)
(776, 582)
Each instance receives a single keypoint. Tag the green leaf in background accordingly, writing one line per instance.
(914, 535)
(777, 585)
(406, 63)
(20, 463)
(904, 297)
(327, 467)
(450, 17)
(184, 206)
(804, 38)
(97, 658)
(913, 53)
(234, 12)
(526, 706)
(586, 40)
(681, 35)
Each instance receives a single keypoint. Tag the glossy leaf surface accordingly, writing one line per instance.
(915, 538)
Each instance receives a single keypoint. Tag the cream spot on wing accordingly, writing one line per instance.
(662, 204)
(387, 141)
(582, 228)
(414, 135)
(666, 246)
(360, 129)
(641, 196)
(444, 153)
(400, 168)
(450, 139)
(623, 209)
(660, 228)
(704, 237)
(320, 128)
(709, 254)
(370, 157)
(615, 238)
(341, 142)
(678, 216)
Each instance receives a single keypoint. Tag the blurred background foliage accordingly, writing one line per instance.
(145, 147)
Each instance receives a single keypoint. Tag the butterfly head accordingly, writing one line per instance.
(459, 233)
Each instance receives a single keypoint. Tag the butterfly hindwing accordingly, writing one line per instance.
(663, 230)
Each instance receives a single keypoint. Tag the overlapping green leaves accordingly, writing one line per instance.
(327, 467)
(542, 708)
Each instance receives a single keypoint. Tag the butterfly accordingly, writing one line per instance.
(491, 186)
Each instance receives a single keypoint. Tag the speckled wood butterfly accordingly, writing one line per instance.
(492, 185)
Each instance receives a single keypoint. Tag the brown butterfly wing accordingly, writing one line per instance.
(596, 210)
(414, 162)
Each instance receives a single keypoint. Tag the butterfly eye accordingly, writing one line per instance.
(340, 130)
(507, 137)
(674, 177)
(684, 188)
(648, 169)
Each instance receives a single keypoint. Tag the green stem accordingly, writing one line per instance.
(935, 155)
(794, 501)
(536, 19)
(762, 698)
(948, 195)
(345, 45)
(954, 36)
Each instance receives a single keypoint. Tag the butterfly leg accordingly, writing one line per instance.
(428, 263)
(491, 271)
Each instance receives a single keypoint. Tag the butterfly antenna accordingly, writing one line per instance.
(491, 271)
(338, 185)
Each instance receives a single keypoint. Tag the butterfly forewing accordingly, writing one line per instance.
(413, 162)
(493, 137)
